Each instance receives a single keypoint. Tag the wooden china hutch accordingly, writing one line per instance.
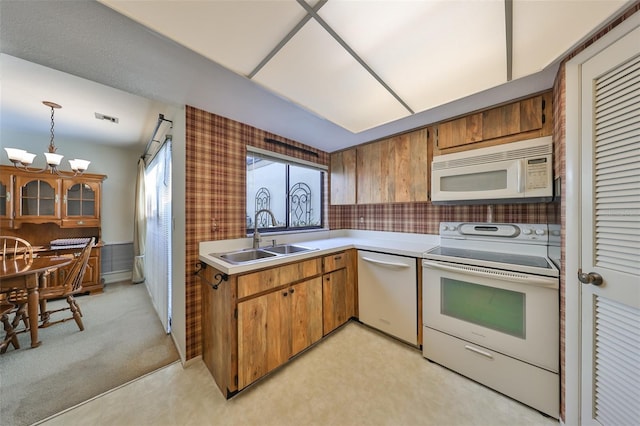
(43, 207)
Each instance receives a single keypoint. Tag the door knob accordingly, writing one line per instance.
(589, 277)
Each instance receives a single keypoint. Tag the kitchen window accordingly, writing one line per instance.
(291, 189)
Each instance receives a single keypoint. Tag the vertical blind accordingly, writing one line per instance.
(158, 241)
(617, 242)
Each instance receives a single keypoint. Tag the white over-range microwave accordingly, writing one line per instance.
(518, 172)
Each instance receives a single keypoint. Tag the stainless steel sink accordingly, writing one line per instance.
(251, 255)
(244, 256)
(286, 249)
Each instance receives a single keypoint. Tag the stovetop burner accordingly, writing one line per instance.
(489, 256)
(510, 247)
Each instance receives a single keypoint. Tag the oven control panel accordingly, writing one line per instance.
(495, 231)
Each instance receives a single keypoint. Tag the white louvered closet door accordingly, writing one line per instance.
(610, 198)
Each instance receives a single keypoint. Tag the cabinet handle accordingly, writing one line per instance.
(291, 291)
(383, 263)
(81, 222)
(64, 199)
(8, 197)
(56, 199)
(285, 294)
(478, 351)
(337, 257)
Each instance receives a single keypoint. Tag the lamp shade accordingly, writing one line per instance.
(27, 158)
(78, 164)
(15, 154)
(53, 159)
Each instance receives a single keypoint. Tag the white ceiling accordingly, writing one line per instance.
(417, 62)
(26, 84)
(427, 53)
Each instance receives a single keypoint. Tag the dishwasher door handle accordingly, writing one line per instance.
(383, 263)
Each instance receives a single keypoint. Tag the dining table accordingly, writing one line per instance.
(21, 275)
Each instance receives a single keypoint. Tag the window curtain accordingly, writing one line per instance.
(139, 226)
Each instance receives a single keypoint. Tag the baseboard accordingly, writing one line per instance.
(114, 277)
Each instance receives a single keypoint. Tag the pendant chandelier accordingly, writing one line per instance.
(23, 159)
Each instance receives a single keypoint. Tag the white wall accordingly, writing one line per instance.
(118, 164)
(178, 181)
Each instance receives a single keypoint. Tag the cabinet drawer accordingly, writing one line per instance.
(80, 223)
(334, 261)
(268, 279)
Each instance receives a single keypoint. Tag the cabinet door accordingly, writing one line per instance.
(6, 200)
(411, 173)
(501, 121)
(80, 203)
(306, 314)
(343, 177)
(38, 199)
(334, 300)
(461, 131)
(375, 165)
(263, 335)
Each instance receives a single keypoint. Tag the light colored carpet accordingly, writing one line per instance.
(123, 339)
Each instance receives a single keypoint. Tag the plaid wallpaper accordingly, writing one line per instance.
(215, 193)
(424, 217)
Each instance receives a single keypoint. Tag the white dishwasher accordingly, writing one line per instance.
(388, 294)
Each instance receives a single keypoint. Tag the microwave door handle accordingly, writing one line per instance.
(482, 272)
(520, 176)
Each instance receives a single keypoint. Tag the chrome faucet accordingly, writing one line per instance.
(256, 234)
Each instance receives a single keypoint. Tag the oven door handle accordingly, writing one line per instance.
(384, 263)
(536, 280)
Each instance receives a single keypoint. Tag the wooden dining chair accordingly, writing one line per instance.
(15, 249)
(70, 286)
(13, 302)
(10, 336)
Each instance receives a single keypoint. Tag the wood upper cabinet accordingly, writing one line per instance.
(277, 325)
(528, 118)
(343, 177)
(461, 131)
(37, 199)
(6, 200)
(393, 170)
(80, 203)
(68, 201)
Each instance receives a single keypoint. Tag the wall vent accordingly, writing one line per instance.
(106, 117)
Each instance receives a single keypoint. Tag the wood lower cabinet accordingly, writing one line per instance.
(91, 282)
(255, 322)
(338, 291)
(275, 326)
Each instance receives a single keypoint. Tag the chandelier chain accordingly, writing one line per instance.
(52, 147)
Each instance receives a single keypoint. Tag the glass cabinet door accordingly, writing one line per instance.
(81, 200)
(5, 198)
(39, 198)
(81, 206)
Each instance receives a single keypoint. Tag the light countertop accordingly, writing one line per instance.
(322, 242)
